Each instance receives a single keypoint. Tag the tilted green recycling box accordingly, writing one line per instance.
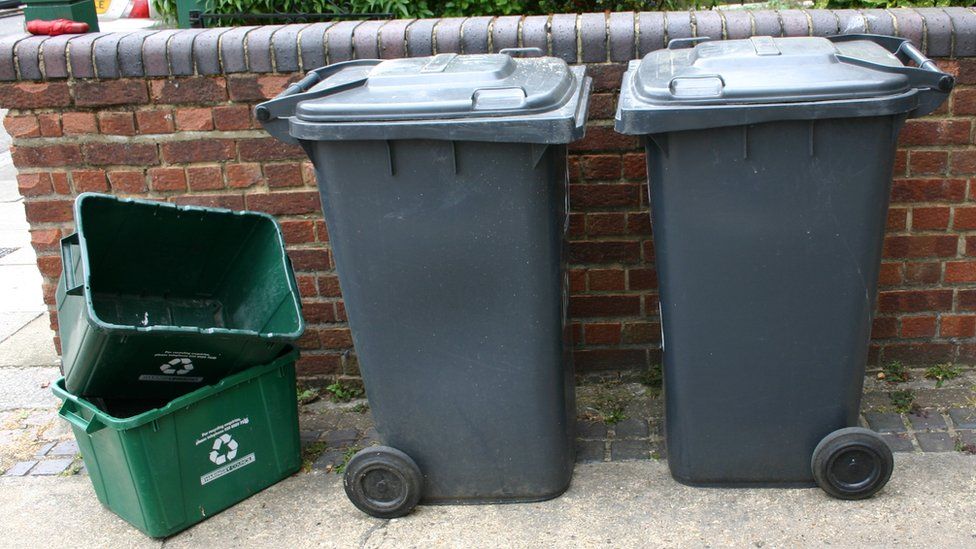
(168, 468)
(156, 300)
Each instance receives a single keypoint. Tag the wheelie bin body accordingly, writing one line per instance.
(769, 165)
(444, 189)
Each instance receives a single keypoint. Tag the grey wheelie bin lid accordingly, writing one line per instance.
(484, 97)
(762, 79)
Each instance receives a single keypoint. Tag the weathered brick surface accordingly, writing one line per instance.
(192, 140)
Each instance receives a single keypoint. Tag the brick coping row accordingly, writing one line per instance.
(577, 38)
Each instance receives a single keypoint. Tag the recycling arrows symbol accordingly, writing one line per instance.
(221, 458)
(178, 366)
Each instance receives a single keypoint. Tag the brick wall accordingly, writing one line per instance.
(168, 115)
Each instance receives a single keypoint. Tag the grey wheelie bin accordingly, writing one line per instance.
(769, 162)
(443, 183)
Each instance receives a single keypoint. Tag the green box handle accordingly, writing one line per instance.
(69, 411)
(67, 265)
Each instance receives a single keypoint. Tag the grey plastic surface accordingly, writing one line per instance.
(761, 79)
(768, 235)
(450, 254)
(485, 97)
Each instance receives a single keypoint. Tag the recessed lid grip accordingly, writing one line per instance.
(680, 43)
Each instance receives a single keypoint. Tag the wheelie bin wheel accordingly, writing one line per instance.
(852, 463)
(383, 482)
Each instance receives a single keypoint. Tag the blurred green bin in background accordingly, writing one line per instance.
(156, 300)
(168, 468)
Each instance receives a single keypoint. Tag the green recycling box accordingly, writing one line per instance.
(168, 468)
(156, 300)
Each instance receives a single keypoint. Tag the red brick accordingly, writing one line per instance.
(321, 231)
(604, 224)
(298, 231)
(970, 246)
(240, 176)
(98, 93)
(34, 95)
(897, 219)
(59, 180)
(957, 326)
(964, 101)
(967, 300)
(336, 338)
(48, 211)
(112, 153)
(89, 181)
(642, 279)
(258, 88)
(204, 178)
(199, 89)
(639, 224)
(127, 182)
(316, 312)
(917, 326)
(22, 126)
(935, 132)
(890, 274)
(606, 76)
(306, 285)
(198, 150)
(960, 271)
(155, 121)
(601, 280)
(46, 239)
(77, 123)
(604, 138)
(167, 179)
(963, 162)
(308, 174)
(228, 201)
(913, 301)
(964, 218)
(609, 359)
(284, 175)
(900, 165)
(232, 117)
(117, 123)
(50, 124)
(266, 149)
(923, 273)
(920, 246)
(194, 119)
(602, 334)
(309, 340)
(584, 306)
(604, 252)
(63, 154)
(284, 203)
(310, 259)
(584, 197)
(884, 328)
(635, 166)
(928, 162)
(318, 364)
(34, 184)
(641, 332)
(576, 226)
(931, 218)
(919, 353)
(601, 166)
(928, 190)
(329, 286)
(577, 281)
(49, 265)
(573, 169)
(602, 106)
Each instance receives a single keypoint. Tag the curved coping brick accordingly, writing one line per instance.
(587, 37)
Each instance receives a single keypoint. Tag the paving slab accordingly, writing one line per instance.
(31, 345)
(929, 502)
(27, 388)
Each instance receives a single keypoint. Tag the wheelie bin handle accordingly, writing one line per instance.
(521, 51)
(932, 83)
(69, 411)
(272, 112)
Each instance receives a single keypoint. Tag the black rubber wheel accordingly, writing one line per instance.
(852, 463)
(383, 482)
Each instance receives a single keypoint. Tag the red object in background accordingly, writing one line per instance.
(140, 9)
(56, 27)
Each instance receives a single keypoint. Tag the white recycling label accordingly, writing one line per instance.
(224, 450)
(176, 365)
